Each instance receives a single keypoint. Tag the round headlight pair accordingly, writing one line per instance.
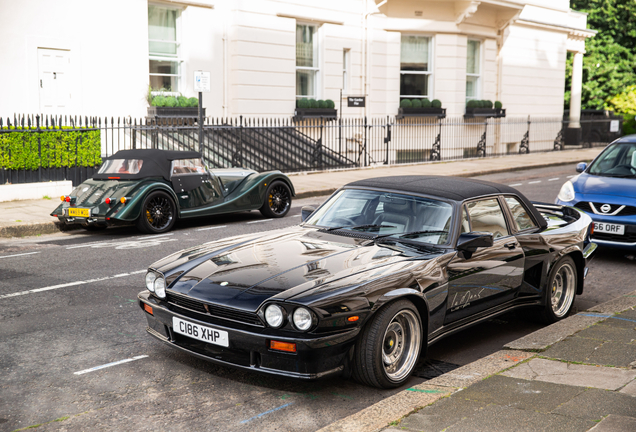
(275, 316)
(156, 284)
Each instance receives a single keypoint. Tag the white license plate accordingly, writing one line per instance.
(609, 228)
(199, 332)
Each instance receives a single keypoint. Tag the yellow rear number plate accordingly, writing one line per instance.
(78, 212)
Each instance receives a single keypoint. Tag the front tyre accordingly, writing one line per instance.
(158, 213)
(278, 200)
(560, 291)
(389, 346)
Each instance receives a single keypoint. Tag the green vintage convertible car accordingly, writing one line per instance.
(154, 188)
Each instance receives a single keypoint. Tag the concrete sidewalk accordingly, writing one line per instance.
(576, 375)
(32, 217)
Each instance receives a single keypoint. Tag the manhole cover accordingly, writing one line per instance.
(430, 369)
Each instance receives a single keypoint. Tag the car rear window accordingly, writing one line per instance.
(121, 166)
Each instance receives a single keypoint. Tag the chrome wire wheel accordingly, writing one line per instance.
(563, 290)
(279, 199)
(158, 212)
(401, 345)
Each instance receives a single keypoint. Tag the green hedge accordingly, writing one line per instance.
(19, 149)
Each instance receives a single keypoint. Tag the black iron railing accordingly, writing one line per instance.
(278, 144)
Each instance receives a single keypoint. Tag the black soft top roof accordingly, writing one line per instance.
(156, 162)
(453, 188)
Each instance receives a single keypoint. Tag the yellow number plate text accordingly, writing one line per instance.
(78, 212)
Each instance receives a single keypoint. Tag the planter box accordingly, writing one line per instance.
(485, 112)
(174, 112)
(421, 112)
(326, 113)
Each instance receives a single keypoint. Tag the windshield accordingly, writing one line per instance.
(386, 214)
(121, 166)
(618, 160)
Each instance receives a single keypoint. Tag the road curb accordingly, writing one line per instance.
(393, 408)
(329, 191)
(32, 229)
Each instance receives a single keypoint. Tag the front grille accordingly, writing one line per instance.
(627, 238)
(627, 211)
(212, 311)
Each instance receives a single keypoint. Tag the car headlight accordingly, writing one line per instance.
(160, 287)
(150, 281)
(567, 192)
(274, 315)
(302, 319)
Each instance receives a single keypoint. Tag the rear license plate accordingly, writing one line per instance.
(78, 212)
(609, 228)
(199, 332)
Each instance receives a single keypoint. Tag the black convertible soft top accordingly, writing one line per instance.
(453, 188)
(156, 163)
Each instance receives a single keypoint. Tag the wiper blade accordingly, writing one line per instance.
(376, 226)
(412, 234)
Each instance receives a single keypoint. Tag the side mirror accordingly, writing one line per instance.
(305, 212)
(580, 167)
(468, 243)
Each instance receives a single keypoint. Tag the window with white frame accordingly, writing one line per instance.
(306, 61)
(415, 67)
(163, 46)
(345, 70)
(473, 70)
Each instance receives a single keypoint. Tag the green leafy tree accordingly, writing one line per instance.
(609, 65)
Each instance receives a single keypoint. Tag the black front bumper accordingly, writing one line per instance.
(314, 358)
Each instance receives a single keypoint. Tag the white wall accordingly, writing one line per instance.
(108, 45)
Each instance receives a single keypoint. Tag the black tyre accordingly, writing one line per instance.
(389, 346)
(278, 199)
(560, 291)
(158, 213)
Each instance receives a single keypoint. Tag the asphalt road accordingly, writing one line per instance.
(67, 307)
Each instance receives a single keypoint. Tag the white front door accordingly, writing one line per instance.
(53, 74)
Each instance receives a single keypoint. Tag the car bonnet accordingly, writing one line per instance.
(284, 263)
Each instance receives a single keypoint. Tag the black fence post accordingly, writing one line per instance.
(366, 136)
(387, 141)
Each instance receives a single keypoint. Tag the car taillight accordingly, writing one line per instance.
(122, 200)
(107, 200)
(63, 198)
(68, 199)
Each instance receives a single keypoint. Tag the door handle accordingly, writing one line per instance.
(511, 245)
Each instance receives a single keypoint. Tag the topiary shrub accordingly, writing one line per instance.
(313, 103)
(330, 104)
(498, 105)
(182, 101)
(302, 103)
(481, 104)
(426, 103)
(416, 103)
(159, 101)
(488, 104)
(193, 102)
(436, 103)
(405, 103)
(471, 104)
(322, 104)
(171, 102)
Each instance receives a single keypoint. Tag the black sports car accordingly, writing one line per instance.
(384, 268)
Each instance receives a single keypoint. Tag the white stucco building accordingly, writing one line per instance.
(98, 58)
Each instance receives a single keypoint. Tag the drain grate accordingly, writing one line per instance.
(430, 369)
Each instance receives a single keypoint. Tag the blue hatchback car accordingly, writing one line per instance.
(606, 190)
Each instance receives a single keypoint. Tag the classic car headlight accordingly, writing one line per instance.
(150, 281)
(302, 319)
(567, 192)
(160, 287)
(274, 315)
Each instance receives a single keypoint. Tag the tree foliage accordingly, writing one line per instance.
(609, 65)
